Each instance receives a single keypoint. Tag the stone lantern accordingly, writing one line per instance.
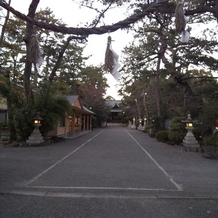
(133, 123)
(36, 137)
(140, 124)
(189, 141)
(145, 123)
(130, 124)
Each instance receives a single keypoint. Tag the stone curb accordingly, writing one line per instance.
(177, 195)
(206, 154)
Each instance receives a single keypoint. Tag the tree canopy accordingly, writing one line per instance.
(185, 82)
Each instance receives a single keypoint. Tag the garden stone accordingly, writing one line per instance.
(216, 155)
(208, 155)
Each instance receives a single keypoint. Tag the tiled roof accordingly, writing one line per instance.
(112, 103)
(86, 109)
(71, 98)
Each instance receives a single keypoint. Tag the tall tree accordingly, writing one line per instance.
(13, 48)
(92, 91)
(154, 42)
(62, 55)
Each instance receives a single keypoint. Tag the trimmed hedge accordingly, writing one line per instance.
(162, 136)
(176, 137)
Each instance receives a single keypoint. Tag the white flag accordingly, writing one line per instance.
(40, 59)
(185, 36)
(111, 60)
(116, 65)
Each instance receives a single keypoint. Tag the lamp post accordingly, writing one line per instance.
(36, 137)
(189, 141)
(133, 123)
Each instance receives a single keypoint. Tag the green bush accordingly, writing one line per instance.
(51, 107)
(211, 140)
(176, 137)
(147, 128)
(197, 132)
(157, 124)
(177, 130)
(162, 136)
(150, 130)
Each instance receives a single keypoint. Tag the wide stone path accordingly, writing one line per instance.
(110, 163)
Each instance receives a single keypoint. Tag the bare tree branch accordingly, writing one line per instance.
(60, 56)
(101, 15)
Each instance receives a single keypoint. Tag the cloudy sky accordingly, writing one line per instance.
(73, 15)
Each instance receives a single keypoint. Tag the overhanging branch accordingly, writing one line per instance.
(162, 7)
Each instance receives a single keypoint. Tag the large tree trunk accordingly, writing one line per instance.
(161, 57)
(27, 39)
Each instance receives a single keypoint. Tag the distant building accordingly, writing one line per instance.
(115, 109)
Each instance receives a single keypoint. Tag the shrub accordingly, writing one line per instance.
(177, 130)
(197, 132)
(147, 128)
(162, 136)
(211, 140)
(176, 137)
(150, 130)
(157, 124)
(154, 126)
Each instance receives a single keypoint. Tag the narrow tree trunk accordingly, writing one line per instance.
(145, 106)
(35, 76)
(60, 56)
(157, 89)
(58, 62)
(138, 108)
(184, 103)
(4, 25)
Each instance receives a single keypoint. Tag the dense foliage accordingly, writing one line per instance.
(52, 109)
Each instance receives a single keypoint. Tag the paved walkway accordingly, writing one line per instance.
(71, 136)
(112, 163)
